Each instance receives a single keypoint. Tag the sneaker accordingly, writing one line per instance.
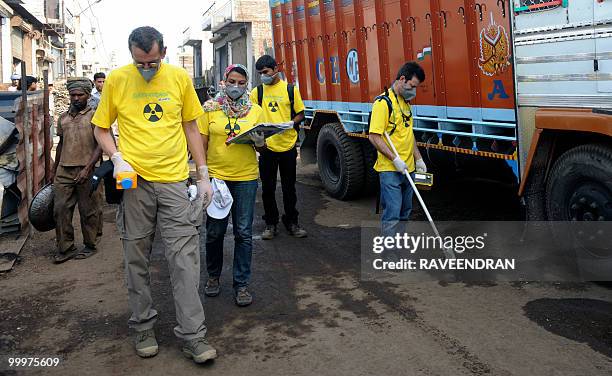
(213, 287)
(296, 231)
(199, 350)
(270, 232)
(146, 344)
(243, 297)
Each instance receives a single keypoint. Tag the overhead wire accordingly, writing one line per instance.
(98, 37)
(108, 60)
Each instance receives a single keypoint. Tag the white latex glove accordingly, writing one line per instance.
(205, 190)
(119, 165)
(399, 164)
(421, 166)
(258, 138)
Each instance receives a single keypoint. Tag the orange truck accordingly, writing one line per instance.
(523, 83)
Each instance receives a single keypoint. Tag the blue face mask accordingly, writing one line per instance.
(148, 74)
(235, 92)
(409, 94)
(267, 80)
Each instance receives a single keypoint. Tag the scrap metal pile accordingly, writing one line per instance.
(60, 97)
(9, 165)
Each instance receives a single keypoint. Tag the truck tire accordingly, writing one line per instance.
(371, 182)
(535, 196)
(340, 161)
(580, 189)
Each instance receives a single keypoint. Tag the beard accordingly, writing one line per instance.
(78, 106)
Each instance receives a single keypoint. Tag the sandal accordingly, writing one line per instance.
(61, 257)
(86, 252)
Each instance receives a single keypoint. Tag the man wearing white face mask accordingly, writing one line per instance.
(157, 108)
(392, 113)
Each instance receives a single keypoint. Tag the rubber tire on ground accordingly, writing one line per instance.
(40, 213)
(586, 165)
(371, 182)
(340, 161)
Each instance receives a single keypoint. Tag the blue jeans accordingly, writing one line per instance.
(395, 199)
(244, 193)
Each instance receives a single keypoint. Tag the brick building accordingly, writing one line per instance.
(241, 32)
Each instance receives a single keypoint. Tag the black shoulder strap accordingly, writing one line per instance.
(390, 107)
(291, 94)
(387, 100)
(259, 94)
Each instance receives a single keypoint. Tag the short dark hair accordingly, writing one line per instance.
(30, 80)
(143, 37)
(99, 75)
(410, 70)
(239, 70)
(266, 61)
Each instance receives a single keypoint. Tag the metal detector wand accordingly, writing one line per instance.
(447, 252)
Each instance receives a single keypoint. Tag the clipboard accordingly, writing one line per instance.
(269, 129)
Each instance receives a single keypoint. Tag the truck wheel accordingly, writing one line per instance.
(580, 189)
(371, 183)
(535, 196)
(340, 161)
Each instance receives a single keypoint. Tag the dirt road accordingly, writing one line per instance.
(312, 314)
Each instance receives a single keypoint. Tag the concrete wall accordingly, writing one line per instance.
(7, 53)
(239, 51)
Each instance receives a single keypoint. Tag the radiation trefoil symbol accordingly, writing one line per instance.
(273, 106)
(153, 112)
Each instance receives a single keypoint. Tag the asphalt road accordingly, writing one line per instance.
(312, 312)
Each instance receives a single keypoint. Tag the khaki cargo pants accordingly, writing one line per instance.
(165, 205)
(69, 194)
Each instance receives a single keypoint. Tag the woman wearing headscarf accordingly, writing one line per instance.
(233, 166)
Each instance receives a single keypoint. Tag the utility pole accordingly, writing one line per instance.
(77, 45)
(77, 40)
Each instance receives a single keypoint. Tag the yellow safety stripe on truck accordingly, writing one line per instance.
(488, 154)
(358, 135)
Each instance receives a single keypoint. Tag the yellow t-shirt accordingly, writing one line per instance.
(402, 138)
(233, 162)
(150, 117)
(277, 109)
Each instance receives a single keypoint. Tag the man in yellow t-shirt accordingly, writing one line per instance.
(157, 108)
(281, 103)
(395, 190)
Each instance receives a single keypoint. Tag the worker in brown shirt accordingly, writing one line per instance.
(75, 158)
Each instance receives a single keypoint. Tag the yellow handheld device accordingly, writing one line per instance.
(424, 180)
(127, 180)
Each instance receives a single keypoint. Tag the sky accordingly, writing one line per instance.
(117, 18)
